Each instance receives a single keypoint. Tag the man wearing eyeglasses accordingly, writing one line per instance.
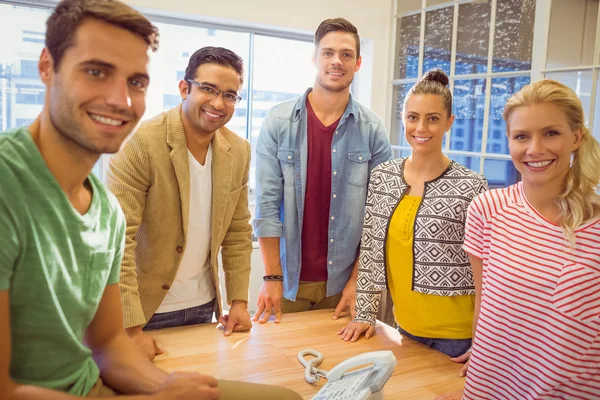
(182, 181)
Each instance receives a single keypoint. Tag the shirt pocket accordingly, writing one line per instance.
(358, 167)
(100, 268)
(577, 293)
(286, 162)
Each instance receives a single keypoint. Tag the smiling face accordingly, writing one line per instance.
(541, 143)
(204, 111)
(97, 94)
(425, 122)
(336, 61)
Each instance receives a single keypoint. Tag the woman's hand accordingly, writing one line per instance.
(353, 330)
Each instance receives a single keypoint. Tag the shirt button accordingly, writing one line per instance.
(334, 150)
(331, 240)
(334, 172)
(166, 287)
(332, 218)
(334, 195)
(289, 157)
(360, 158)
(330, 262)
(179, 249)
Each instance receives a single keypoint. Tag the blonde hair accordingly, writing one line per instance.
(579, 202)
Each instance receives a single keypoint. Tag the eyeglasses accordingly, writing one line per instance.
(228, 97)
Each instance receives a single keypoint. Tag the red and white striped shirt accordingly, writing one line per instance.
(538, 333)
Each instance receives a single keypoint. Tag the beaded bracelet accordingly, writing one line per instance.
(267, 278)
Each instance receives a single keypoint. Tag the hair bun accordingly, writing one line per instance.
(436, 75)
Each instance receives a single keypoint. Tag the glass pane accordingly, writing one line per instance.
(581, 83)
(438, 39)
(574, 46)
(473, 38)
(408, 36)
(513, 35)
(397, 134)
(500, 173)
(468, 109)
(596, 130)
(473, 163)
(502, 89)
(282, 71)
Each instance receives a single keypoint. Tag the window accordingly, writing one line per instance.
(276, 70)
(573, 56)
(29, 94)
(278, 76)
(486, 49)
(29, 68)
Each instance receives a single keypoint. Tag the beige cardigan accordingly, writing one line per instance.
(150, 177)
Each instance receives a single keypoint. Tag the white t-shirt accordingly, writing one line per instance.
(193, 284)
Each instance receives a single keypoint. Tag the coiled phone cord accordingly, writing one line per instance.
(312, 374)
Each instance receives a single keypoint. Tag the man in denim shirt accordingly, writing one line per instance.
(314, 157)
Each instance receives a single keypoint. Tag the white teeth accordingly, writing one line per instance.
(106, 120)
(422, 139)
(335, 73)
(539, 164)
(211, 114)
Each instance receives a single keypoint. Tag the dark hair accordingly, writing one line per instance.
(69, 14)
(435, 81)
(214, 55)
(337, 25)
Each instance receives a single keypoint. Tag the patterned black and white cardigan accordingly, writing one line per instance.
(441, 267)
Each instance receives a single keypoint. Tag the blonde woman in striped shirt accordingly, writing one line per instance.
(535, 252)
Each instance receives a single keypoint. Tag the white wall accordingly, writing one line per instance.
(373, 20)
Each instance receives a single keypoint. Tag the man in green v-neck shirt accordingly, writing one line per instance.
(61, 232)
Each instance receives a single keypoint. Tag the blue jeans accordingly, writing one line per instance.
(450, 347)
(202, 314)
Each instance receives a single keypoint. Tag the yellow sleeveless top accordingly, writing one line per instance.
(430, 316)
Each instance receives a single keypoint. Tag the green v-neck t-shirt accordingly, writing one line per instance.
(55, 263)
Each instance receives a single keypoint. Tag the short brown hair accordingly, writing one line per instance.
(69, 14)
(337, 25)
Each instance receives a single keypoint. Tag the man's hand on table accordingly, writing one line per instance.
(269, 301)
(146, 342)
(238, 319)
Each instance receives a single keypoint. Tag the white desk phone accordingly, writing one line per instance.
(362, 384)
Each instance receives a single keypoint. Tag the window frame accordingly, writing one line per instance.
(539, 44)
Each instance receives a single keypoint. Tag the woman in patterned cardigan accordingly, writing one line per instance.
(413, 232)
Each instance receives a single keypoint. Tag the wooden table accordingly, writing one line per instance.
(268, 354)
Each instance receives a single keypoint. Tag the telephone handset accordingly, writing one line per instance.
(361, 384)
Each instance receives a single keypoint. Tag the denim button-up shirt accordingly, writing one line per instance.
(359, 144)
